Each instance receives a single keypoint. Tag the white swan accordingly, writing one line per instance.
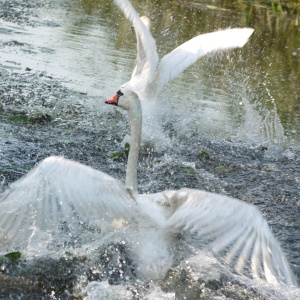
(61, 200)
(150, 75)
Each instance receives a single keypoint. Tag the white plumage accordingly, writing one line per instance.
(61, 200)
(149, 75)
(60, 197)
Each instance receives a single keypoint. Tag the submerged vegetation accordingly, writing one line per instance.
(13, 256)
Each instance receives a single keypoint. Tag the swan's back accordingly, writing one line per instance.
(60, 197)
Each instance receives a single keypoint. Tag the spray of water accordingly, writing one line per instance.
(260, 121)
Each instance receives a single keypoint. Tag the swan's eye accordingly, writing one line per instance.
(119, 93)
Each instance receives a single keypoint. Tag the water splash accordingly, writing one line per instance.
(260, 122)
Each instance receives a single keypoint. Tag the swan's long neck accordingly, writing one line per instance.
(135, 118)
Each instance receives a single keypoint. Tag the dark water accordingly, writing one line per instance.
(243, 114)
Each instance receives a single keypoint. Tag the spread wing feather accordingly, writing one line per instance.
(235, 230)
(62, 196)
(147, 57)
(175, 62)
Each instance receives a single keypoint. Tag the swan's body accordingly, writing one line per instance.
(60, 198)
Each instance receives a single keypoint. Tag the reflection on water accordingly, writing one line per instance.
(250, 94)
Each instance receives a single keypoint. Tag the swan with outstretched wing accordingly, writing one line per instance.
(61, 200)
(150, 75)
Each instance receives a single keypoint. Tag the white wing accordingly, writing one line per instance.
(61, 196)
(188, 53)
(234, 229)
(147, 57)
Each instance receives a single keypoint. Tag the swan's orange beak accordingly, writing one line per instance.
(113, 100)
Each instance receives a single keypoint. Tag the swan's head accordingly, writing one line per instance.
(146, 22)
(124, 98)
